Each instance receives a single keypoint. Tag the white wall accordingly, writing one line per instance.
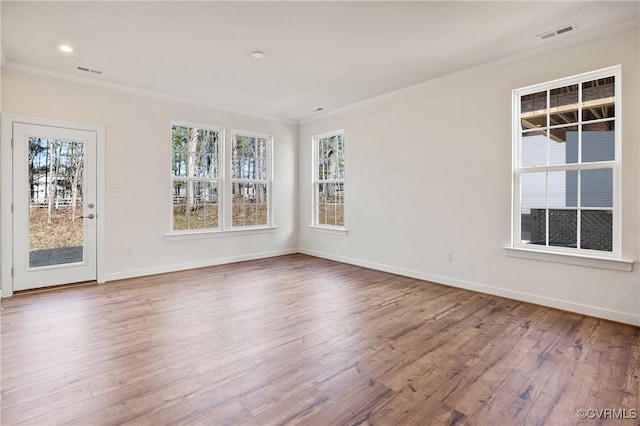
(138, 159)
(430, 170)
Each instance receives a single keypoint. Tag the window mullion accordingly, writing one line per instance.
(579, 189)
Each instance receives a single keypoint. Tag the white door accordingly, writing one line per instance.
(54, 206)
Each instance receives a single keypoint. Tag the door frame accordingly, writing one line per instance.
(6, 192)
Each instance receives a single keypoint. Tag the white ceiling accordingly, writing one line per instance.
(319, 54)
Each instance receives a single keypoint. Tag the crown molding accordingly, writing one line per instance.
(574, 40)
(27, 69)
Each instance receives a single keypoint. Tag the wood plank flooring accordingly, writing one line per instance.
(301, 340)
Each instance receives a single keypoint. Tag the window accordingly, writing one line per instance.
(208, 195)
(567, 165)
(250, 179)
(196, 176)
(328, 181)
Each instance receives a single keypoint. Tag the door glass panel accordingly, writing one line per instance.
(56, 231)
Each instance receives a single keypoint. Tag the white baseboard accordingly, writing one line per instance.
(593, 311)
(192, 265)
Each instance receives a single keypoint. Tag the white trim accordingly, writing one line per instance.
(571, 41)
(615, 264)
(199, 264)
(329, 134)
(327, 230)
(556, 254)
(6, 179)
(315, 181)
(6, 176)
(27, 69)
(579, 308)
(182, 123)
(235, 132)
(218, 180)
(269, 181)
(196, 235)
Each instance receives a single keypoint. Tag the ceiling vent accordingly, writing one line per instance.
(557, 32)
(89, 70)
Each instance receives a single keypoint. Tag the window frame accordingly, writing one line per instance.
(615, 165)
(268, 182)
(225, 202)
(220, 179)
(315, 181)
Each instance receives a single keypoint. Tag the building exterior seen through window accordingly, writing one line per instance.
(567, 165)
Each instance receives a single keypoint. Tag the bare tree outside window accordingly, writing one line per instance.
(329, 163)
(196, 177)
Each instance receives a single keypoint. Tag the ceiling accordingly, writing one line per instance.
(318, 54)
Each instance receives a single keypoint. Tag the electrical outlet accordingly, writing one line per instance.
(448, 256)
(129, 251)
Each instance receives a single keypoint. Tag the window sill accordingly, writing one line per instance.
(327, 230)
(193, 235)
(571, 259)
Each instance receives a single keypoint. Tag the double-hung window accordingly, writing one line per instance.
(218, 188)
(328, 181)
(566, 175)
(250, 179)
(196, 176)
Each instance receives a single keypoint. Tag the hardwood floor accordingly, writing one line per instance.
(297, 339)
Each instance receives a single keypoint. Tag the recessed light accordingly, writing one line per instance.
(258, 54)
(65, 48)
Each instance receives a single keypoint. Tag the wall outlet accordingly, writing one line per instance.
(128, 251)
(448, 256)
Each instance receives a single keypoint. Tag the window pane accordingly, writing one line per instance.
(563, 145)
(533, 189)
(563, 228)
(239, 214)
(534, 148)
(533, 226)
(330, 204)
(180, 217)
(250, 206)
(596, 188)
(330, 164)
(563, 188)
(195, 152)
(195, 205)
(262, 159)
(243, 161)
(525, 225)
(596, 232)
(533, 110)
(563, 103)
(340, 157)
(331, 157)
(598, 99)
(598, 142)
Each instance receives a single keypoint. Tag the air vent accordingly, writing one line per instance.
(556, 32)
(90, 70)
